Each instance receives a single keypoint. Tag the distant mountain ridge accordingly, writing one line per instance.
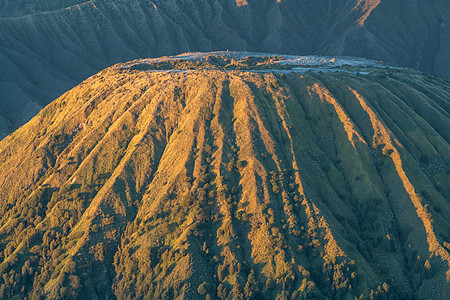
(20, 8)
(232, 175)
(45, 53)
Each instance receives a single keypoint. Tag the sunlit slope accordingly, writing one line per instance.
(225, 178)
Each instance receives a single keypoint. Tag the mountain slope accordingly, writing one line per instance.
(18, 8)
(45, 53)
(232, 175)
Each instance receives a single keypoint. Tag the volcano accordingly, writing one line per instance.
(232, 175)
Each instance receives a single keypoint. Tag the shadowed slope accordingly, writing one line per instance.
(221, 176)
(17, 8)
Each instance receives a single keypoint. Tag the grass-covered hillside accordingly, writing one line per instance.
(231, 177)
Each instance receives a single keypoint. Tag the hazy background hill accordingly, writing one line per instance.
(47, 47)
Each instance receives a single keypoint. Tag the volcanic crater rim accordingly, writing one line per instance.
(255, 62)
